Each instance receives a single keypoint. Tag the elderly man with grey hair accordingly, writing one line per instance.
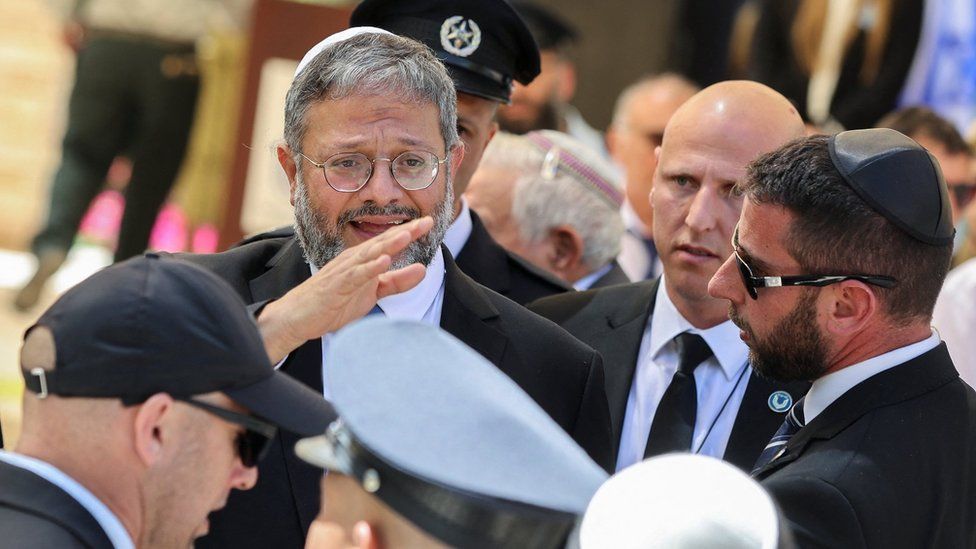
(554, 201)
(371, 147)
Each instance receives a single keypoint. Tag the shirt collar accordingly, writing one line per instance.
(414, 303)
(111, 525)
(588, 280)
(460, 230)
(824, 391)
(667, 323)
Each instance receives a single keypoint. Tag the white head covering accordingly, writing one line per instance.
(680, 501)
(335, 39)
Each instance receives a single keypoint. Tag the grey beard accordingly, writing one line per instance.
(322, 243)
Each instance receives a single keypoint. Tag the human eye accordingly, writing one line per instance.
(412, 160)
(346, 161)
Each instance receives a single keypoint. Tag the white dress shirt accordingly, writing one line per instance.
(721, 382)
(460, 230)
(955, 316)
(633, 258)
(422, 303)
(824, 391)
(105, 518)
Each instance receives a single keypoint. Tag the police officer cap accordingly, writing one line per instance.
(549, 30)
(898, 178)
(483, 43)
(448, 441)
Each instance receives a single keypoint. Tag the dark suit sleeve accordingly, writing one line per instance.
(592, 430)
(818, 513)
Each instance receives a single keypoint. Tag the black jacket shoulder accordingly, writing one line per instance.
(35, 513)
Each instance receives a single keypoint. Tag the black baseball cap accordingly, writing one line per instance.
(156, 324)
(484, 44)
(897, 178)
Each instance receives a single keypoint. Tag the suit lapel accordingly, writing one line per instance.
(755, 422)
(623, 327)
(918, 376)
(484, 259)
(288, 269)
(468, 315)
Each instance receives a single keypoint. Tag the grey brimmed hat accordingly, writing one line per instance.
(161, 325)
(448, 441)
(897, 178)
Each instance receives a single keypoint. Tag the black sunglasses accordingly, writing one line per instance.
(752, 282)
(253, 443)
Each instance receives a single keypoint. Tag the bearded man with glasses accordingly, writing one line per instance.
(149, 398)
(839, 256)
(371, 148)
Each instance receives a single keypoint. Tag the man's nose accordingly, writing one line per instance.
(724, 284)
(381, 187)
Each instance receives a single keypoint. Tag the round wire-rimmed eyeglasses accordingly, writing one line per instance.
(349, 172)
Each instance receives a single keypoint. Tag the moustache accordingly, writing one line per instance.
(372, 209)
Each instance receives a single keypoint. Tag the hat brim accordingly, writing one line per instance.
(320, 451)
(289, 404)
(473, 84)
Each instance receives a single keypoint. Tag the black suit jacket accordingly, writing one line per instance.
(612, 321)
(37, 514)
(494, 267)
(890, 464)
(564, 376)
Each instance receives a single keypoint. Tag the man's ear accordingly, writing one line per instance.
(152, 426)
(567, 82)
(566, 250)
(457, 155)
(288, 164)
(610, 139)
(850, 308)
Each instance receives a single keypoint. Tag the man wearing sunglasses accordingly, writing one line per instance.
(840, 253)
(149, 397)
(677, 375)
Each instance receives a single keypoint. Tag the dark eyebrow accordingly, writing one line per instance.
(757, 264)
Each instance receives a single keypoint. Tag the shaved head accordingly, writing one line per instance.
(735, 109)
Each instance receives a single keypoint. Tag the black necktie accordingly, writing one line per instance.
(793, 423)
(674, 422)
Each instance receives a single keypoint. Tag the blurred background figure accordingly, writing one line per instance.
(842, 63)
(639, 117)
(135, 93)
(943, 74)
(955, 157)
(554, 201)
(423, 455)
(544, 104)
(681, 501)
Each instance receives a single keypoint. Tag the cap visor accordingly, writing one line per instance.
(289, 404)
(319, 452)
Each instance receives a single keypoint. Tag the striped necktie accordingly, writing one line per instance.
(793, 423)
